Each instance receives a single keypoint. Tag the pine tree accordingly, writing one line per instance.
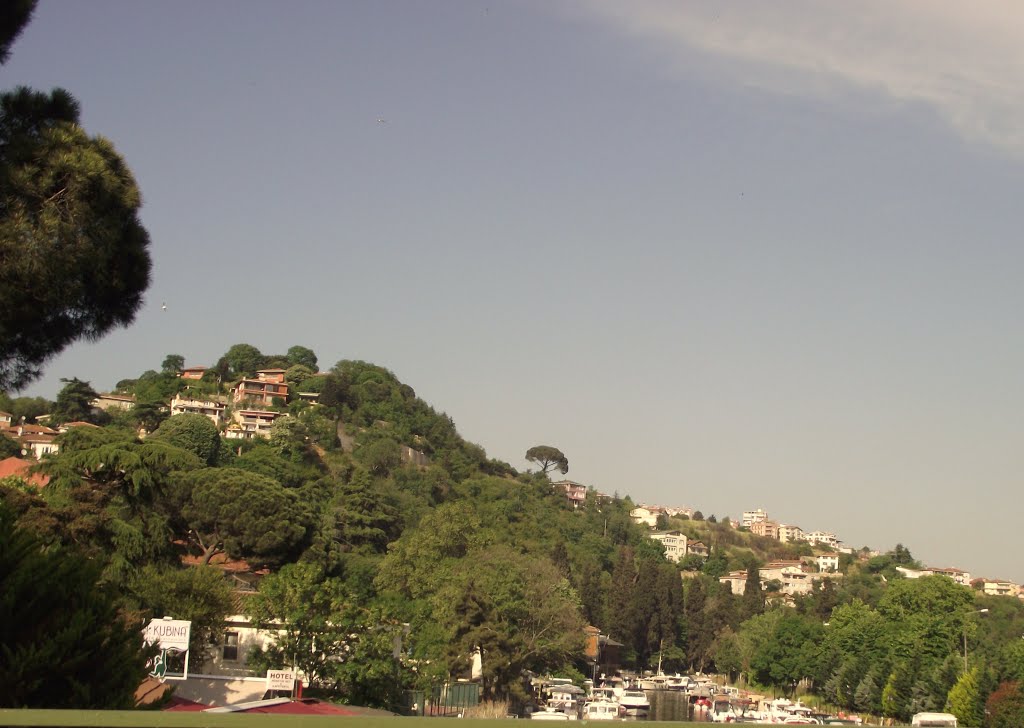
(62, 640)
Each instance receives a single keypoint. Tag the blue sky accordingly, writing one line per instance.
(724, 256)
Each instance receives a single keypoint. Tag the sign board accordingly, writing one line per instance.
(280, 680)
(169, 634)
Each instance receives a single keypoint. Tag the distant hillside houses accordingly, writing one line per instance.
(992, 587)
(788, 578)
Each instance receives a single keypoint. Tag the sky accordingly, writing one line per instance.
(723, 255)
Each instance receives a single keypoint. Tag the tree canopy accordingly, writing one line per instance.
(548, 458)
(76, 256)
(63, 641)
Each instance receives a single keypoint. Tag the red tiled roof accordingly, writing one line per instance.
(304, 707)
(19, 468)
(184, 705)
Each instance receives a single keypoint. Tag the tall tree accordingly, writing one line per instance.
(548, 458)
(75, 254)
(302, 355)
(192, 432)
(173, 364)
(63, 642)
(199, 594)
(14, 16)
(965, 700)
(74, 401)
(244, 359)
(752, 602)
(363, 521)
(248, 516)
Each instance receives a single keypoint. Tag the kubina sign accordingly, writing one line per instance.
(171, 636)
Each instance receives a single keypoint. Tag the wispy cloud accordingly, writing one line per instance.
(963, 59)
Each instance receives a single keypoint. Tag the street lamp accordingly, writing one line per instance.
(976, 611)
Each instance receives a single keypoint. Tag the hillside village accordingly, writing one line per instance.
(793, 576)
(254, 403)
(298, 485)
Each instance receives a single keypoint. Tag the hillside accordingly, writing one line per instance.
(349, 509)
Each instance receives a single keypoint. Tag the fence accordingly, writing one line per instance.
(451, 699)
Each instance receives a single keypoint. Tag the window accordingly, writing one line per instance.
(230, 648)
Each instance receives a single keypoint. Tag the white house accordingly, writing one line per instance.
(827, 562)
(822, 538)
(674, 543)
(206, 407)
(752, 517)
(643, 514)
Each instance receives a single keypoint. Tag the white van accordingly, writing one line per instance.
(941, 720)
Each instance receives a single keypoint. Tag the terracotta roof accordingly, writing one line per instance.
(30, 430)
(19, 468)
(305, 707)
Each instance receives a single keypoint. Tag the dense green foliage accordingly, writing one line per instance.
(63, 643)
(76, 258)
(397, 551)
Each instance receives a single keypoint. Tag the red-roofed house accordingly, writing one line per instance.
(193, 373)
(18, 468)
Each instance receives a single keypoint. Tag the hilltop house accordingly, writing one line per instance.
(268, 385)
(194, 373)
(827, 562)
(697, 548)
(207, 407)
(250, 423)
(646, 514)
(752, 517)
(108, 401)
(791, 577)
(34, 440)
(674, 543)
(766, 528)
(822, 538)
(575, 493)
(789, 534)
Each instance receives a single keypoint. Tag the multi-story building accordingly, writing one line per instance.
(576, 493)
(766, 528)
(206, 407)
(108, 401)
(790, 534)
(752, 517)
(646, 514)
(793, 579)
(790, 577)
(269, 385)
(697, 548)
(250, 423)
(822, 538)
(674, 543)
(958, 575)
(827, 562)
(999, 588)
